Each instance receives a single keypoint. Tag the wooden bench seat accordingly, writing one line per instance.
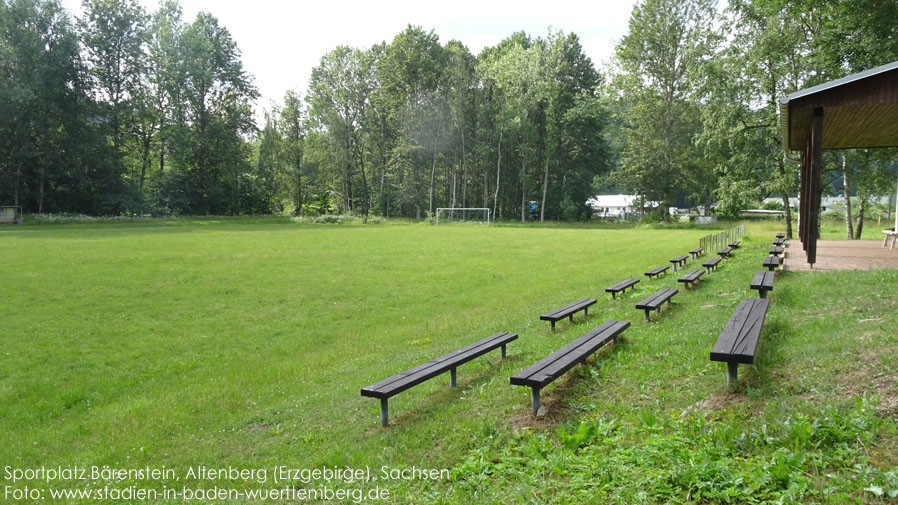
(711, 264)
(679, 261)
(889, 235)
(656, 300)
(568, 311)
(725, 252)
(621, 287)
(448, 362)
(697, 252)
(763, 282)
(780, 235)
(776, 250)
(734, 244)
(771, 262)
(779, 242)
(656, 271)
(546, 370)
(691, 277)
(739, 339)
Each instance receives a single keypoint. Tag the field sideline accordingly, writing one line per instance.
(246, 343)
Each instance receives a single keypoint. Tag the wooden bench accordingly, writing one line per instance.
(679, 261)
(414, 376)
(568, 311)
(656, 271)
(889, 235)
(776, 250)
(779, 242)
(771, 262)
(691, 277)
(739, 339)
(711, 264)
(780, 235)
(546, 370)
(734, 244)
(725, 252)
(655, 300)
(697, 252)
(621, 287)
(763, 282)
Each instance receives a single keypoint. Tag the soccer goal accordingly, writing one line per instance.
(11, 214)
(463, 214)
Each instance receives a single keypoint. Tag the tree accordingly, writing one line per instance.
(339, 94)
(658, 62)
(293, 127)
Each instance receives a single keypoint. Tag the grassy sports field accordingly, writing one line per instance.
(245, 343)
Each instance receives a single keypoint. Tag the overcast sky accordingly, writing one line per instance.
(281, 41)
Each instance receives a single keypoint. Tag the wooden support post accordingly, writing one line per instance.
(534, 399)
(503, 351)
(384, 412)
(732, 372)
(452, 378)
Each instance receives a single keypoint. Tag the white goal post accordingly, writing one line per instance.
(464, 211)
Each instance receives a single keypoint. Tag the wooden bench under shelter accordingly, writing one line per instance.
(449, 362)
(679, 261)
(738, 341)
(546, 370)
(889, 235)
(568, 311)
(776, 250)
(763, 282)
(656, 300)
(656, 271)
(734, 244)
(691, 277)
(771, 262)
(697, 252)
(711, 264)
(621, 286)
(725, 252)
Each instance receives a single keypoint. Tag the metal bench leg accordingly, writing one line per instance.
(614, 293)
(553, 325)
(585, 312)
(732, 372)
(570, 318)
(452, 378)
(503, 351)
(762, 293)
(534, 399)
(647, 315)
(384, 412)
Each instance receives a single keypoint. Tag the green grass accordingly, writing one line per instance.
(245, 343)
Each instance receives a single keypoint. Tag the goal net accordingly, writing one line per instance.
(10, 214)
(463, 214)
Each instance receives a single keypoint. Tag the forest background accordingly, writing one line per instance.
(136, 113)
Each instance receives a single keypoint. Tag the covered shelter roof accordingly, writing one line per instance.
(856, 111)
(860, 110)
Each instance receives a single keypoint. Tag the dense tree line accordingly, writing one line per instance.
(129, 112)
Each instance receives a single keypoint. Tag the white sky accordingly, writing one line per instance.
(281, 41)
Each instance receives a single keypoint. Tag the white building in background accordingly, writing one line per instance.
(829, 202)
(617, 206)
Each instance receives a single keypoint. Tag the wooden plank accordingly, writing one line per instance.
(657, 298)
(567, 309)
(620, 286)
(739, 339)
(416, 375)
(552, 366)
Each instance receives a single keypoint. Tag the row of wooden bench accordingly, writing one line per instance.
(544, 371)
(738, 342)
